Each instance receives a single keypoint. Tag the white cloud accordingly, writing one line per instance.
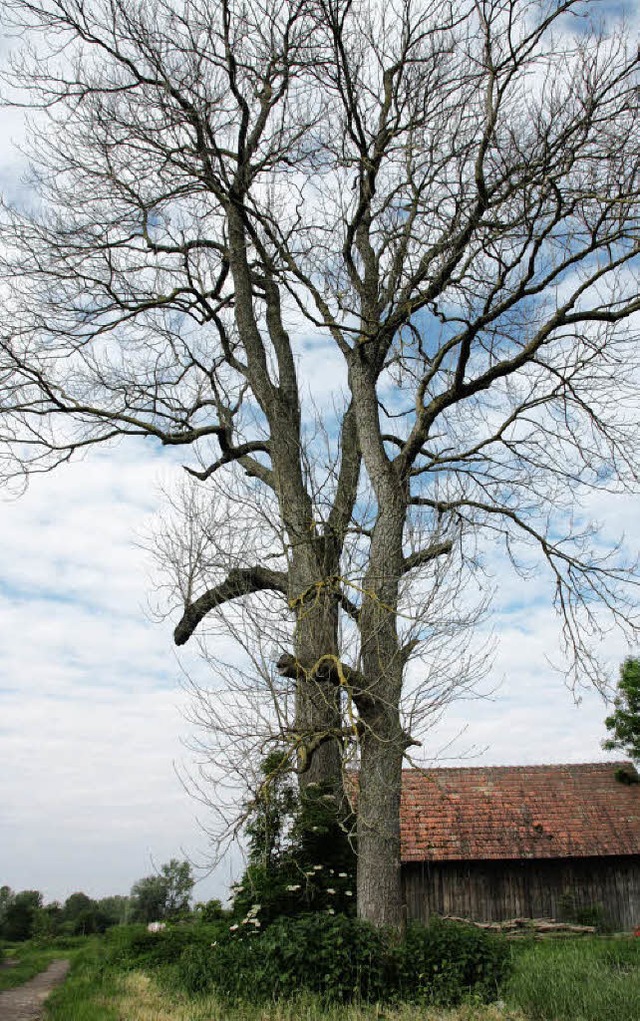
(90, 705)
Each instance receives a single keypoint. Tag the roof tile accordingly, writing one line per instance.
(572, 811)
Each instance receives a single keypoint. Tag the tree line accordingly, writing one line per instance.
(163, 896)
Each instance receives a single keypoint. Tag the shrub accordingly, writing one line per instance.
(131, 946)
(341, 959)
(334, 956)
(443, 962)
(301, 859)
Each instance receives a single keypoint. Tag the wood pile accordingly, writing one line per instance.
(538, 928)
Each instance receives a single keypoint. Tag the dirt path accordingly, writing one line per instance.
(25, 1002)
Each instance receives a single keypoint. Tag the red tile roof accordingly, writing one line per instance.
(519, 812)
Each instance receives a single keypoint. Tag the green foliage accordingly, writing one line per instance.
(210, 911)
(163, 896)
(342, 959)
(624, 723)
(115, 908)
(132, 946)
(20, 913)
(591, 979)
(582, 914)
(301, 858)
(24, 917)
(445, 961)
(627, 775)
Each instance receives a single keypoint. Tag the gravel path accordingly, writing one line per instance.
(25, 1002)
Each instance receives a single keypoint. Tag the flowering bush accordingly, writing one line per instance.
(301, 858)
(342, 958)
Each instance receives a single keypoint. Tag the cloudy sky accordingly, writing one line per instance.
(92, 721)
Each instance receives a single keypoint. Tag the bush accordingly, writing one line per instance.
(131, 946)
(301, 859)
(334, 956)
(445, 961)
(341, 959)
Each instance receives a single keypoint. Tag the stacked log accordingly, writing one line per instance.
(538, 928)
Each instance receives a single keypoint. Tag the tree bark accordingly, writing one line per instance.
(379, 879)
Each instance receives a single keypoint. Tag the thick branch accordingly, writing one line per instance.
(426, 555)
(239, 582)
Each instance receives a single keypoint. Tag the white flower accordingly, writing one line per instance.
(348, 893)
(293, 888)
(232, 928)
(316, 868)
(329, 890)
(330, 911)
(342, 875)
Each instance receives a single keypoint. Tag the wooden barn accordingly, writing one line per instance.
(523, 841)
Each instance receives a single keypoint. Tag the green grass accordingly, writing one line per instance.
(578, 980)
(570, 980)
(136, 996)
(31, 961)
(90, 992)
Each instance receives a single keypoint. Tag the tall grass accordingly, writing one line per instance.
(578, 980)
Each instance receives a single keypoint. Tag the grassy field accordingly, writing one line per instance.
(572, 980)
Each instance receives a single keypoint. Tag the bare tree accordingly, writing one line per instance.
(446, 195)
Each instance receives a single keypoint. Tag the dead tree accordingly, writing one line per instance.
(446, 197)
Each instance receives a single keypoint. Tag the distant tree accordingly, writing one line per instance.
(148, 897)
(50, 919)
(179, 884)
(82, 916)
(21, 915)
(90, 921)
(6, 898)
(210, 911)
(165, 895)
(75, 905)
(115, 908)
(624, 722)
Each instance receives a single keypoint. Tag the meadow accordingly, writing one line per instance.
(586, 979)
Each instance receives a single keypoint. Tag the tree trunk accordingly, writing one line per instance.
(379, 887)
(318, 718)
(379, 880)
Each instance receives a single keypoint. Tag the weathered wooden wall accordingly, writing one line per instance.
(488, 891)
